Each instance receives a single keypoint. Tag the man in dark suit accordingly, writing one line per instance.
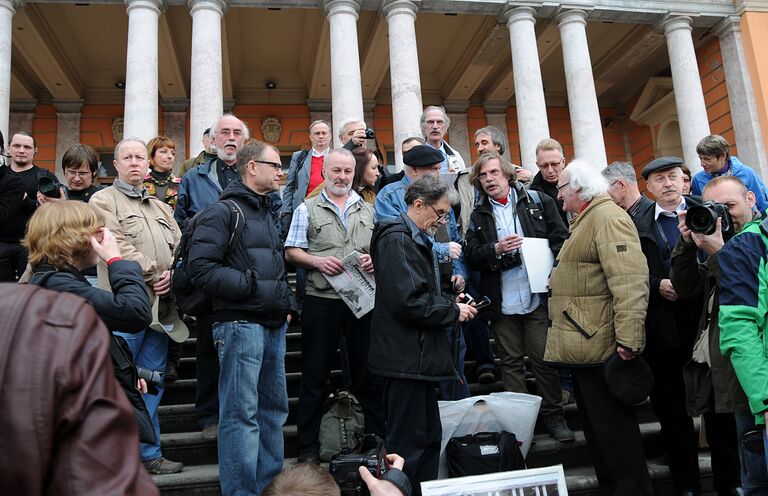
(305, 171)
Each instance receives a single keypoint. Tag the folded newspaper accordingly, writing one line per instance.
(355, 286)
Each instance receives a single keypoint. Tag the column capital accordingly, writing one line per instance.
(368, 106)
(513, 12)
(317, 105)
(572, 15)
(68, 106)
(333, 7)
(12, 5)
(218, 6)
(673, 22)
(156, 6)
(496, 107)
(456, 106)
(23, 106)
(174, 104)
(392, 7)
(730, 24)
(228, 104)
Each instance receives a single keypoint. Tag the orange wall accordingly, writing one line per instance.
(716, 91)
(754, 37)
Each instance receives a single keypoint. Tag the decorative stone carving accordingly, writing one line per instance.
(271, 129)
(117, 129)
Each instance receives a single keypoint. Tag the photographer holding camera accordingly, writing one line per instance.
(710, 382)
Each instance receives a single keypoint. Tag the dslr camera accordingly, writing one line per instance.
(510, 260)
(48, 187)
(702, 219)
(343, 467)
(370, 134)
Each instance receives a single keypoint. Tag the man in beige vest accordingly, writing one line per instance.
(325, 229)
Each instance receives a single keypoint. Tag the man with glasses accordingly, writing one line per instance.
(434, 124)
(550, 161)
(251, 301)
(325, 229)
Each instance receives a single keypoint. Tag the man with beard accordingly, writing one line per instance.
(325, 229)
(434, 124)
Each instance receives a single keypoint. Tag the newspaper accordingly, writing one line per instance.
(355, 286)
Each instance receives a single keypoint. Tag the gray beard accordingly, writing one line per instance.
(337, 190)
(227, 157)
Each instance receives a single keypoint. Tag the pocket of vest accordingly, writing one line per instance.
(579, 321)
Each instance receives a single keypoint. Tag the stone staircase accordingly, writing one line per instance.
(181, 439)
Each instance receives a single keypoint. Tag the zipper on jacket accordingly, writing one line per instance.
(576, 325)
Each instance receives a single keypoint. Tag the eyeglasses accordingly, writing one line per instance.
(81, 175)
(563, 185)
(275, 165)
(440, 217)
(550, 164)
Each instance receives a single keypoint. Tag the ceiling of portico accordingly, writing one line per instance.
(68, 51)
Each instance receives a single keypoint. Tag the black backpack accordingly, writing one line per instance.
(189, 299)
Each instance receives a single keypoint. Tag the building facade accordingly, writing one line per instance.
(610, 79)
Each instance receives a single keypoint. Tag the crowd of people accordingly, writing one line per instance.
(634, 292)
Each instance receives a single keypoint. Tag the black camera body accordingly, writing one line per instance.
(370, 134)
(702, 219)
(48, 187)
(510, 260)
(344, 466)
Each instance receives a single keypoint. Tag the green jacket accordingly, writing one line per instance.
(744, 311)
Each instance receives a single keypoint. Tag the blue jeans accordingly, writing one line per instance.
(754, 478)
(461, 391)
(253, 405)
(150, 351)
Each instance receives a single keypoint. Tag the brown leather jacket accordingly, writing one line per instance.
(67, 427)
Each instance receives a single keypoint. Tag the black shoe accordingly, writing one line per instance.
(309, 457)
(486, 377)
(558, 429)
(171, 373)
(163, 466)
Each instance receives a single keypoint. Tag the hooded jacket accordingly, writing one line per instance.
(410, 316)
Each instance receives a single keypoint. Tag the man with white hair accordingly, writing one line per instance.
(325, 229)
(434, 124)
(599, 296)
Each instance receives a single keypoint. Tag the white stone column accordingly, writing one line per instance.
(141, 93)
(741, 97)
(458, 132)
(496, 115)
(346, 89)
(67, 129)
(403, 72)
(689, 97)
(175, 128)
(6, 20)
(206, 102)
(21, 117)
(586, 126)
(531, 107)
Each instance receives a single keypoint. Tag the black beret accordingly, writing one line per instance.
(629, 381)
(423, 156)
(660, 164)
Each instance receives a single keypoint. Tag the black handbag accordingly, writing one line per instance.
(483, 453)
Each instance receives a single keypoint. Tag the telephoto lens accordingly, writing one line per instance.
(48, 187)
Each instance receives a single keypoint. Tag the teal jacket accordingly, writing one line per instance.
(744, 311)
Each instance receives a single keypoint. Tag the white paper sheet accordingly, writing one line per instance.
(538, 263)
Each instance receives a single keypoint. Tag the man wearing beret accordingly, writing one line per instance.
(671, 324)
(422, 160)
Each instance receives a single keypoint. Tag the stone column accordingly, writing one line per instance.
(586, 126)
(206, 92)
(21, 117)
(458, 132)
(741, 97)
(529, 90)
(67, 130)
(403, 72)
(175, 128)
(496, 115)
(346, 89)
(6, 20)
(689, 97)
(141, 92)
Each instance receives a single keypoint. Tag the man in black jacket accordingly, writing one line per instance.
(408, 332)
(251, 302)
(550, 161)
(504, 215)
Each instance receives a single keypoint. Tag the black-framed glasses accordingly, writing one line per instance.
(440, 217)
(275, 165)
(563, 185)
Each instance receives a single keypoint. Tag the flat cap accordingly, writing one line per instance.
(629, 381)
(661, 164)
(423, 156)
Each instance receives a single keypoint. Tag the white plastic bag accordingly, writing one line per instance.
(496, 412)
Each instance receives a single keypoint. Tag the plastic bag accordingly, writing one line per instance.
(511, 412)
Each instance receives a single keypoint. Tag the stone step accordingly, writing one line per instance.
(203, 480)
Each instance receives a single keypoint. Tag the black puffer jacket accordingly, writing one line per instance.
(549, 189)
(125, 309)
(250, 282)
(480, 253)
(410, 317)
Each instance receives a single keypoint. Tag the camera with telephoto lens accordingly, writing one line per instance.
(48, 187)
(370, 134)
(344, 466)
(510, 260)
(702, 219)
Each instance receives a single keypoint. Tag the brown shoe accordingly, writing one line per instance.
(162, 466)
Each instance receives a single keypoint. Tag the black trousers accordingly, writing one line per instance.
(324, 321)
(414, 429)
(13, 261)
(207, 395)
(720, 429)
(678, 433)
(613, 436)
